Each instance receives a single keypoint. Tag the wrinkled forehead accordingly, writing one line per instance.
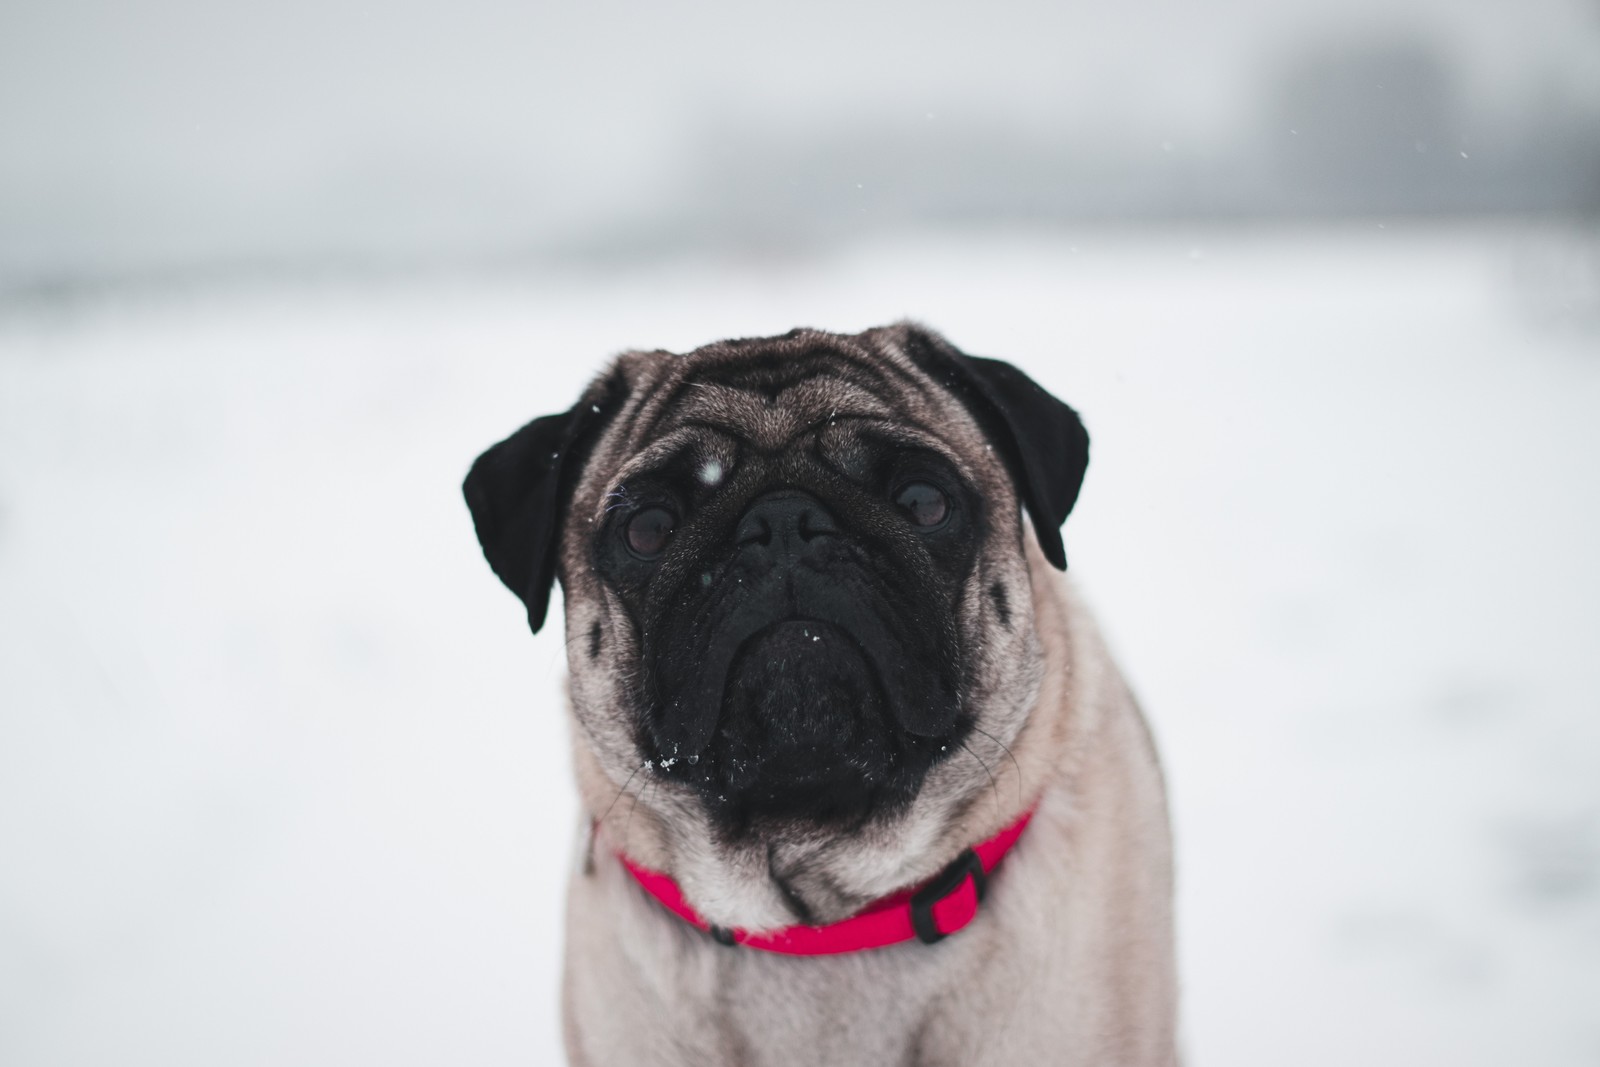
(766, 398)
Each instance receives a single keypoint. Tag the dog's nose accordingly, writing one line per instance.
(782, 524)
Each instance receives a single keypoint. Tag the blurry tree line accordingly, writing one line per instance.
(1363, 127)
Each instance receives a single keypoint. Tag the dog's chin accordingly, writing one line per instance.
(805, 733)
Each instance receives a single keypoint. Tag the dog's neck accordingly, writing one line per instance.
(933, 911)
(762, 884)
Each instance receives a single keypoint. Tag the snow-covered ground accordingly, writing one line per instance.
(284, 779)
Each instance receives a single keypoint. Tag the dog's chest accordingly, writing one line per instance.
(867, 1007)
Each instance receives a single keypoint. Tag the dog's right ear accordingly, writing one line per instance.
(1041, 439)
(519, 489)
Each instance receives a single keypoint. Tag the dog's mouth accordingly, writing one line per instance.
(805, 728)
(803, 713)
(790, 680)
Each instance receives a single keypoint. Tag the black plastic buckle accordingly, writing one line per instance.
(945, 883)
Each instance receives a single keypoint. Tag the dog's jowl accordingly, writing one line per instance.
(861, 784)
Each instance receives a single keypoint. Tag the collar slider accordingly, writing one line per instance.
(942, 907)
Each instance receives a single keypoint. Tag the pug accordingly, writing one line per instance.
(860, 782)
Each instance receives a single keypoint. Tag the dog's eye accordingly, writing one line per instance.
(926, 505)
(648, 532)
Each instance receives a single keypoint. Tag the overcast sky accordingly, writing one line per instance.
(175, 131)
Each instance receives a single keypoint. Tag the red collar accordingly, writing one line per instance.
(929, 913)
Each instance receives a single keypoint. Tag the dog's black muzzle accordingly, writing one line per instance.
(809, 673)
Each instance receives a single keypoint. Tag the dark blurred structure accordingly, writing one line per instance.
(1383, 127)
(1351, 128)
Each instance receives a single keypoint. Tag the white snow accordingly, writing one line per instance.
(284, 779)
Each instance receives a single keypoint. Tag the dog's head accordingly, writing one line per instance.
(794, 567)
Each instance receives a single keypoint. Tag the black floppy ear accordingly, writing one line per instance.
(1042, 440)
(519, 489)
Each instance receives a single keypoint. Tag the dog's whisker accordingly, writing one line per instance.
(1007, 750)
(627, 826)
(621, 791)
(621, 497)
(993, 785)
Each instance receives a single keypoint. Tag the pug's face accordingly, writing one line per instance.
(794, 571)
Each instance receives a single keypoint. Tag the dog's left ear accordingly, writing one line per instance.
(1042, 440)
(518, 492)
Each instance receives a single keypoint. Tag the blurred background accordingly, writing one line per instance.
(283, 777)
